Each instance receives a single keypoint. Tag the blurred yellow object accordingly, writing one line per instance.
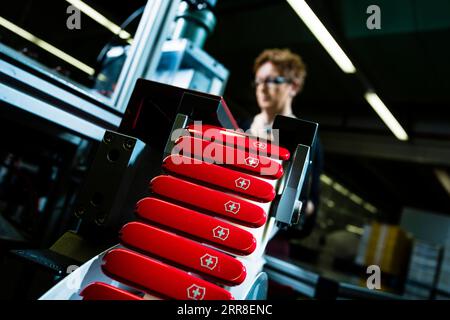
(388, 247)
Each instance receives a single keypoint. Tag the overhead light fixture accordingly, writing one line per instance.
(46, 46)
(385, 115)
(331, 46)
(443, 178)
(356, 199)
(322, 35)
(370, 208)
(350, 195)
(355, 229)
(341, 189)
(101, 19)
(326, 179)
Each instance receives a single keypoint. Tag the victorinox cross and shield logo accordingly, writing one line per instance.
(221, 233)
(242, 183)
(232, 207)
(252, 162)
(196, 292)
(208, 261)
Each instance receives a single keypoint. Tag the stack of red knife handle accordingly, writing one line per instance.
(185, 244)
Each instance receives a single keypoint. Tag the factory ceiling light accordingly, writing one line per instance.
(327, 41)
(323, 36)
(346, 193)
(46, 46)
(443, 178)
(354, 229)
(385, 115)
(326, 179)
(370, 208)
(101, 19)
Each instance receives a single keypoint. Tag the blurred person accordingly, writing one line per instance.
(279, 77)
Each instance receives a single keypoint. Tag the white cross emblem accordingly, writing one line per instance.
(232, 207)
(242, 183)
(252, 162)
(221, 233)
(208, 261)
(196, 292)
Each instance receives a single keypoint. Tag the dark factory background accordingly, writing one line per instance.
(384, 201)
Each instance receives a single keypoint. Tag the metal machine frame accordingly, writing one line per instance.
(29, 86)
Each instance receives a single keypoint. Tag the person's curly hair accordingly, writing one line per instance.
(289, 64)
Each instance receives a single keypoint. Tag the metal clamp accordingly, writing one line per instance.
(289, 207)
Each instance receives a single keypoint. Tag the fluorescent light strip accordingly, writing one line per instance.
(326, 179)
(354, 229)
(345, 192)
(356, 199)
(385, 115)
(46, 46)
(341, 189)
(101, 19)
(370, 208)
(323, 36)
(443, 178)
